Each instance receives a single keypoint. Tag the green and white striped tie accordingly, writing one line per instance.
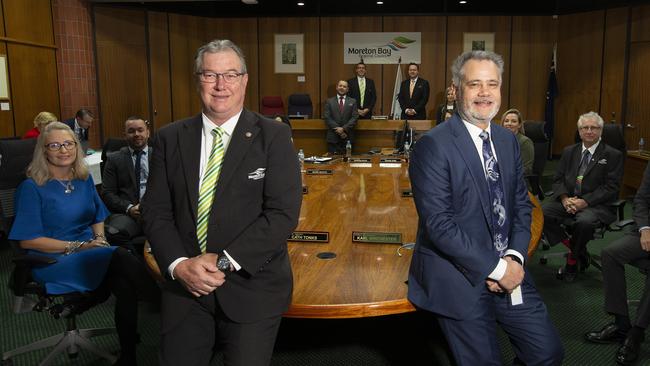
(208, 186)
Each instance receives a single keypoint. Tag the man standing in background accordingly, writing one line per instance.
(362, 89)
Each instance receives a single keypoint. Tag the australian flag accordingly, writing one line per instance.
(551, 94)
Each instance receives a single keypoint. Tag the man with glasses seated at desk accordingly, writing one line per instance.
(587, 181)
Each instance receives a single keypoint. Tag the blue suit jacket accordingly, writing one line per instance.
(454, 253)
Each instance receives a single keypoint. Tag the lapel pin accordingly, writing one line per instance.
(248, 134)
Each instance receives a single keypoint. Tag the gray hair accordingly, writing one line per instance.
(458, 71)
(591, 116)
(216, 46)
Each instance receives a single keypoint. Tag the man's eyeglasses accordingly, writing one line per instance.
(590, 128)
(56, 146)
(212, 77)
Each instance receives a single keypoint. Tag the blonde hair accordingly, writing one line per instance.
(42, 119)
(520, 118)
(39, 170)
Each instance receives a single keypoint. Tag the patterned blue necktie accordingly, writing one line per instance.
(582, 168)
(500, 222)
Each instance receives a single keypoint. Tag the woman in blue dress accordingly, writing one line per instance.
(59, 214)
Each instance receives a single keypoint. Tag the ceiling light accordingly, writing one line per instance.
(380, 3)
(462, 2)
(301, 4)
(249, 2)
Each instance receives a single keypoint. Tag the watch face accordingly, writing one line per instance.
(223, 263)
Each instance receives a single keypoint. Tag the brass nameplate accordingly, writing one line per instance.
(320, 171)
(360, 160)
(407, 193)
(305, 190)
(390, 160)
(310, 236)
(376, 237)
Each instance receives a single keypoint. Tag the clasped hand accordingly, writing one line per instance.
(511, 279)
(200, 275)
(573, 205)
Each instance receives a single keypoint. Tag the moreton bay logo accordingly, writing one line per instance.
(396, 44)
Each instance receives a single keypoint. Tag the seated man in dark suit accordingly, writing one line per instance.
(80, 124)
(586, 182)
(340, 115)
(125, 180)
(631, 248)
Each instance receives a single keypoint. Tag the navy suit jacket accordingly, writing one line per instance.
(84, 131)
(417, 101)
(454, 253)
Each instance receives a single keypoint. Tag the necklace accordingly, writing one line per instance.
(67, 185)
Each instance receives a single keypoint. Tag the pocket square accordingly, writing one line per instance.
(257, 174)
(602, 161)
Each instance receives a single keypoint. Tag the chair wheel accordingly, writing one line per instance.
(74, 355)
(7, 362)
(543, 260)
(560, 273)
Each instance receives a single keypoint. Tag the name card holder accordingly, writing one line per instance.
(310, 236)
(320, 171)
(376, 237)
(407, 193)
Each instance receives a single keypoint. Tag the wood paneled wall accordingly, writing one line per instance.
(637, 111)
(601, 58)
(30, 50)
(123, 86)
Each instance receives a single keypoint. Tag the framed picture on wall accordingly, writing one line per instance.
(4, 85)
(478, 42)
(289, 54)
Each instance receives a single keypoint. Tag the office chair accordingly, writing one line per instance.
(534, 130)
(15, 156)
(272, 105)
(112, 144)
(300, 104)
(30, 295)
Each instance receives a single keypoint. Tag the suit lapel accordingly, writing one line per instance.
(468, 153)
(128, 163)
(189, 141)
(240, 141)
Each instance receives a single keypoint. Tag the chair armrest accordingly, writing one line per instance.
(33, 260)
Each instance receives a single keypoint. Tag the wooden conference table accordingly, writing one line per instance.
(342, 278)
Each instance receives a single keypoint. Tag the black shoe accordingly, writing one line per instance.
(610, 333)
(570, 272)
(628, 352)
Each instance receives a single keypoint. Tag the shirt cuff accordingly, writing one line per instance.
(516, 254)
(643, 228)
(129, 207)
(232, 261)
(172, 266)
(499, 271)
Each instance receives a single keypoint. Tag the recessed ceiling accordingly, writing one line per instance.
(220, 8)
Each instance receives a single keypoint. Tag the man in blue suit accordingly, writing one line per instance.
(474, 228)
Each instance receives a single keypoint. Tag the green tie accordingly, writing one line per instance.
(362, 91)
(208, 185)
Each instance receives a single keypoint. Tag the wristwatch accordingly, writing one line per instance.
(223, 263)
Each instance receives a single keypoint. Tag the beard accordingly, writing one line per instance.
(473, 116)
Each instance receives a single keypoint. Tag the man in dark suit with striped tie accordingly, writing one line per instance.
(340, 115)
(223, 196)
(586, 182)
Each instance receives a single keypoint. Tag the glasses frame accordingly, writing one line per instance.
(68, 145)
(229, 77)
(590, 128)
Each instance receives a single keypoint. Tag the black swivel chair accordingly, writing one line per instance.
(300, 105)
(112, 144)
(535, 131)
(30, 295)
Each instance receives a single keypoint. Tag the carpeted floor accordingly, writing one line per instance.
(409, 339)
